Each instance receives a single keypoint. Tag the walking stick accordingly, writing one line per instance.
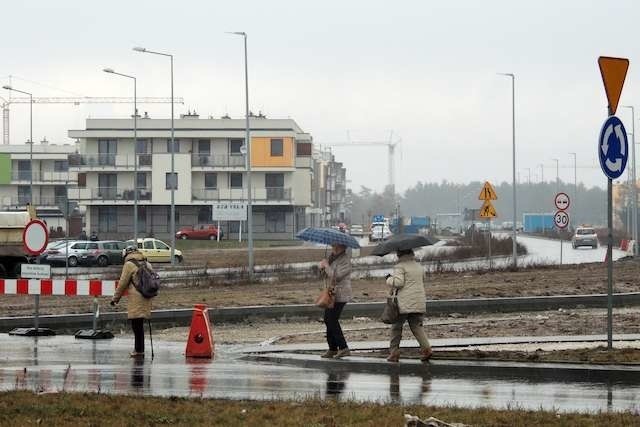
(151, 337)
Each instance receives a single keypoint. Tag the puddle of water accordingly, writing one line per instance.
(59, 364)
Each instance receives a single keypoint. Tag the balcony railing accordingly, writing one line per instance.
(110, 194)
(269, 194)
(221, 161)
(41, 176)
(8, 202)
(109, 160)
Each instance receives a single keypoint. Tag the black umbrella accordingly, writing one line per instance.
(403, 242)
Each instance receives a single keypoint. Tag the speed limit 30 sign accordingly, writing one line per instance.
(561, 219)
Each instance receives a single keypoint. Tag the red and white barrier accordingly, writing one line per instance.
(69, 287)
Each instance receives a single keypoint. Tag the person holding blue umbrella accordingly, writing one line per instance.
(337, 267)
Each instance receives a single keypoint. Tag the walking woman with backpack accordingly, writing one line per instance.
(139, 303)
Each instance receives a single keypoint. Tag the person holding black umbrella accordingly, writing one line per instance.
(338, 269)
(408, 284)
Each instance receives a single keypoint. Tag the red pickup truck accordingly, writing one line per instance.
(199, 232)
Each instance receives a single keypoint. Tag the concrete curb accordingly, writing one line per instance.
(182, 317)
(479, 370)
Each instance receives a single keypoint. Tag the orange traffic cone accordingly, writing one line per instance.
(200, 342)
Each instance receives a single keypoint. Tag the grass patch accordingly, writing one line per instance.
(21, 408)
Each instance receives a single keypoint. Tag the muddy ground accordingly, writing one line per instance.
(545, 280)
(546, 323)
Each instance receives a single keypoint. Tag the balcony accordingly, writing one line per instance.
(110, 194)
(269, 194)
(9, 203)
(24, 176)
(218, 161)
(109, 161)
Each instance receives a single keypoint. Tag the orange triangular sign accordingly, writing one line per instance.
(487, 210)
(614, 71)
(487, 192)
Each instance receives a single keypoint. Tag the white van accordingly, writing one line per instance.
(380, 231)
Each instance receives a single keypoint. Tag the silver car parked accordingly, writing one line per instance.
(77, 252)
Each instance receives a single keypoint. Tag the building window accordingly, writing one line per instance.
(303, 149)
(24, 170)
(142, 146)
(107, 219)
(176, 146)
(276, 222)
(60, 165)
(60, 194)
(274, 180)
(107, 150)
(204, 146)
(204, 214)
(171, 180)
(235, 146)
(24, 194)
(211, 180)
(235, 180)
(141, 180)
(82, 180)
(276, 148)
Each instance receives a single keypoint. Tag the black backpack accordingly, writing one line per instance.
(148, 280)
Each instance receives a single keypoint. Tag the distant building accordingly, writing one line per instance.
(51, 180)
(329, 192)
(210, 167)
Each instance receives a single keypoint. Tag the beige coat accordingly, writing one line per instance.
(341, 268)
(138, 306)
(407, 278)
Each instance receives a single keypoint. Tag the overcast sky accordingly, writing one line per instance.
(424, 69)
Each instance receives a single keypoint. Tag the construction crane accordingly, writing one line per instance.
(75, 101)
(391, 144)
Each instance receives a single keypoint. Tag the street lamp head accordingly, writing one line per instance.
(108, 70)
(139, 49)
(506, 74)
(237, 33)
(7, 87)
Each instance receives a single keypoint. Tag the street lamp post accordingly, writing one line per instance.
(634, 191)
(541, 173)
(575, 183)
(248, 158)
(513, 135)
(135, 151)
(557, 174)
(174, 178)
(7, 87)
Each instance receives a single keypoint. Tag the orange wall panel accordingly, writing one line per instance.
(261, 153)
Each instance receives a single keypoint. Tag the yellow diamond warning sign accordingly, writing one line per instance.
(487, 210)
(488, 192)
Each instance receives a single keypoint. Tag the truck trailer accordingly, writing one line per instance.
(12, 253)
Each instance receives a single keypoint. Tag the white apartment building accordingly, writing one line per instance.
(50, 175)
(210, 167)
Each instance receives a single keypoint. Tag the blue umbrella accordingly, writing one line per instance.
(327, 236)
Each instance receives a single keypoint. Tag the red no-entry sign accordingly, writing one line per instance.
(35, 237)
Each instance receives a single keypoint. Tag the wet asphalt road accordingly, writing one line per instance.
(55, 364)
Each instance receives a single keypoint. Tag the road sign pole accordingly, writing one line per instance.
(609, 266)
(560, 247)
(490, 260)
